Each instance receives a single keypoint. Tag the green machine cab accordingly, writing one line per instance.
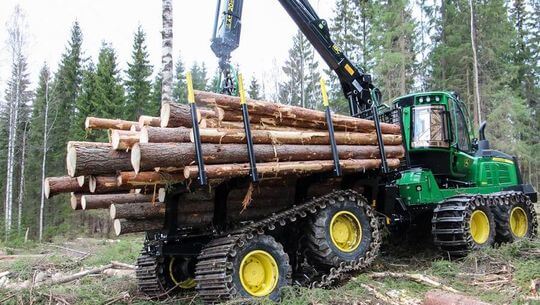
(474, 195)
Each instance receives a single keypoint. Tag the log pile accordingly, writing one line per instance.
(129, 174)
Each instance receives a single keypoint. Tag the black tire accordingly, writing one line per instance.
(508, 205)
(322, 251)
(271, 246)
(451, 224)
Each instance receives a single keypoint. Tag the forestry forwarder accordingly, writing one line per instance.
(472, 195)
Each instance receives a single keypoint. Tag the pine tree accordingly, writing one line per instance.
(109, 98)
(180, 87)
(199, 75)
(302, 75)
(155, 98)
(138, 85)
(85, 102)
(254, 91)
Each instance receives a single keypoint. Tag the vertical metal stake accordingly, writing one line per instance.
(330, 124)
(247, 130)
(384, 164)
(196, 134)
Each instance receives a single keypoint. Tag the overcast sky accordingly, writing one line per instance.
(266, 31)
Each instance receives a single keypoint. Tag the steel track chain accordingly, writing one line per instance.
(214, 267)
(148, 278)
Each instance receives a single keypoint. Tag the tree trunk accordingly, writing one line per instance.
(256, 119)
(478, 103)
(65, 184)
(89, 202)
(125, 226)
(22, 175)
(280, 111)
(142, 210)
(167, 49)
(225, 136)
(299, 126)
(100, 123)
(164, 135)
(276, 169)
(44, 150)
(123, 139)
(75, 201)
(106, 184)
(152, 155)
(147, 178)
(85, 158)
(146, 120)
(177, 115)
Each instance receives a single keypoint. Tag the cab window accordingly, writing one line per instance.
(429, 127)
(462, 132)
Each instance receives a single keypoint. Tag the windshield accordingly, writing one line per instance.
(429, 128)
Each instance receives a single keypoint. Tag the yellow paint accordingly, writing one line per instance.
(502, 160)
(241, 89)
(345, 231)
(336, 49)
(479, 227)
(349, 69)
(324, 92)
(191, 93)
(186, 284)
(259, 273)
(519, 224)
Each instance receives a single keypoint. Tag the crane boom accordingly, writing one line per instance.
(356, 84)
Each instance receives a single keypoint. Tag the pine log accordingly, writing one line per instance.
(265, 121)
(177, 115)
(146, 120)
(90, 202)
(214, 113)
(134, 210)
(225, 136)
(106, 184)
(64, 184)
(213, 123)
(125, 226)
(151, 155)
(100, 123)
(147, 178)
(164, 135)
(123, 139)
(276, 110)
(75, 201)
(86, 158)
(285, 168)
(438, 297)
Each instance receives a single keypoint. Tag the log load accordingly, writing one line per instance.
(99, 123)
(225, 136)
(164, 135)
(125, 226)
(152, 155)
(65, 184)
(134, 179)
(285, 168)
(177, 115)
(124, 139)
(90, 202)
(146, 120)
(106, 184)
(86, 158)
(276, 110)
(137, 210)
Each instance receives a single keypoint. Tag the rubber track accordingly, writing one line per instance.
(214, 268)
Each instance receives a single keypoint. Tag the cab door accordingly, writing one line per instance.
(461, 155)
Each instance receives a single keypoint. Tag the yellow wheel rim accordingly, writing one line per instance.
(479, 225)
(518, 222)
(345, 231)
(185, 284)
(259, 273)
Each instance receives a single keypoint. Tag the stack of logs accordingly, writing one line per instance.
(129, 174)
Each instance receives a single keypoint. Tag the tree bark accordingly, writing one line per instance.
(100, 123)
(280, 111)
(75, 201)
(214, 123)
(141, 210)
(285, 168)
(147, 178)
(164, 135)
(438, 297)
(477, 100)
(152, 155)
(214, 113)
(125, 226)
(90, 202)
(106, 184)
(166, 52)
(84, 158)
(44, 150)
(146, 120)
(123, 139)
(177, 115)
(65, 184)
(224, 136)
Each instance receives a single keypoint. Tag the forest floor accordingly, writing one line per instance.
(502, 275)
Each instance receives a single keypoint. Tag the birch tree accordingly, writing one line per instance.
(166, 56)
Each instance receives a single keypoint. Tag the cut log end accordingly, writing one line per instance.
(165, 114)
(143, 135)
(136, 158)
(76, 203)
(81, 180)
(161, 194)
(87, 123)
(71, 161)
(47, 187)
